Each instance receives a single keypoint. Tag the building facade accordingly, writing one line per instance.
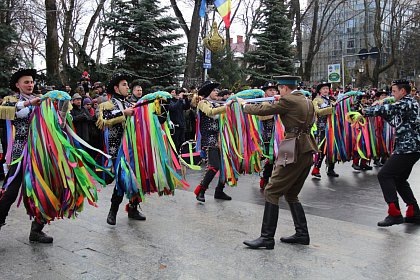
(348, 31)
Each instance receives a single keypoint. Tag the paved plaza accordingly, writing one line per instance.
(184, 239)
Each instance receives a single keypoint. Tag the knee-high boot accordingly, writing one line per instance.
(302, 235)
(268, 229)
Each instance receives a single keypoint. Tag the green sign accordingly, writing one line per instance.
(334, 77)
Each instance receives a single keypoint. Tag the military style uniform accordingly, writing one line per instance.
(404, 116)
(297, 114)
(293, 110)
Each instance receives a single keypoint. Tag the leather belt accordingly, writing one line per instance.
(298, 130)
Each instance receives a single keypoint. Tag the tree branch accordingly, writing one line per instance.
(180, 18)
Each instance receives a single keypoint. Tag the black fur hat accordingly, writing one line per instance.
(19, 74)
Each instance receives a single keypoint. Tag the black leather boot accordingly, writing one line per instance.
(394, 216)
(301, 236)
(331, 171)
(112, 216)
(412, 215)
(268, 229)
(364, 165)
(134, 213)
(220, 194)
(37, 235)
(199, 193)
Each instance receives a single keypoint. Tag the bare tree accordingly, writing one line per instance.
(392, 19)
(249, 18)
(68, 18)
(192, 32)
(320, 20)
(52, 52)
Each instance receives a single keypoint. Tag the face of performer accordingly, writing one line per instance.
(122, 88)
(383, 95)
(25, 84)
(325, 91)
(270, 92)
(398, 93)
(413, 92)
(214, 94)
(137, 91)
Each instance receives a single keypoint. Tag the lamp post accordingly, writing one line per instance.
(350, 55)
(297, 66)
(361, 70)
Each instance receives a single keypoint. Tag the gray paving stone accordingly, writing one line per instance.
(183, 239)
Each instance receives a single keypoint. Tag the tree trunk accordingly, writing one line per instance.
(52, 50)
(312, 41)
(68, 18)
(81, 63)
(194, 32)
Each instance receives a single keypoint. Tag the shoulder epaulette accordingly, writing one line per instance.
(8, 108)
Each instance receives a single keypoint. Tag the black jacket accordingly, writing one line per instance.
(81, 121)
(176, 109)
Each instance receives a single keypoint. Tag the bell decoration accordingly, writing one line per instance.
(214, 42)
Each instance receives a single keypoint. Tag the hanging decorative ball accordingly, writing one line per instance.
(214, 42)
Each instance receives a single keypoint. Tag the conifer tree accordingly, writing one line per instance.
(273, 54)
(225, 69)
(146, 40)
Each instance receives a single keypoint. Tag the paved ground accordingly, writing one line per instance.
(183, 239)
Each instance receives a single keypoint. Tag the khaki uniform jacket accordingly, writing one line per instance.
(293, 111)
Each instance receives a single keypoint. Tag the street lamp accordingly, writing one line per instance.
(297, 65)
(361, 69)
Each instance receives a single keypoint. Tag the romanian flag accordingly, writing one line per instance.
(223, 7)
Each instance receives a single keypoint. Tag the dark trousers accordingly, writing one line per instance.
(116, 198)
(268, 167)
(178, 137)
(214, 159)
(321, 154)
(393, 178)
(10, 194)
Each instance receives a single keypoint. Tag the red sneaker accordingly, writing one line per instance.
(315, 172)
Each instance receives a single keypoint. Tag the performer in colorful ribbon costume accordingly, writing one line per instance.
(298, 115)
(270, 89)
(404, 116)
(368, 140)
(208, 138)
(112, 118)
(18, 108)
(323, 105)
(147, 161)
(39, 137)
(242, 145)
(383, 132)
